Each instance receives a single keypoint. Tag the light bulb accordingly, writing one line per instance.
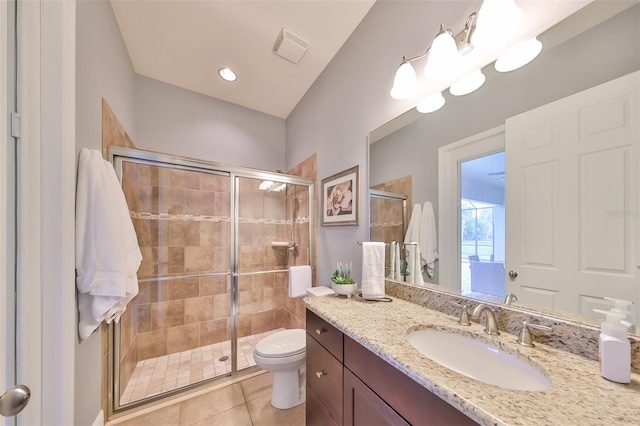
(468, 83)
(497, 21)
(431, 103)
(519, 56)
(227, 74)
(444, 58)
(405, 83)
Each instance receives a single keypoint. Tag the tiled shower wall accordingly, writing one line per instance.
(387, 215)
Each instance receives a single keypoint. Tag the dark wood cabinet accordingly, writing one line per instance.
(363, 407)
(347, 384)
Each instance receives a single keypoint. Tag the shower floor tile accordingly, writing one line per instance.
(157, 375)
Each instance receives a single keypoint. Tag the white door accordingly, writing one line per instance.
(13, 396)
(572, 191)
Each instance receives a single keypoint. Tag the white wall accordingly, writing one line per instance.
(103, 69)
(177, 121)
(351, 98)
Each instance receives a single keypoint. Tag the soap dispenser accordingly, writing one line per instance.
(615, 348)
(624, 307)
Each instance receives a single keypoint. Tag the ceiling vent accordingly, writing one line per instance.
(290, 47)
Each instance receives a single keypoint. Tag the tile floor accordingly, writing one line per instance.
(245, 403)
(156, 375)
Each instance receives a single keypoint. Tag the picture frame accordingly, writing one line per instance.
(339, 197)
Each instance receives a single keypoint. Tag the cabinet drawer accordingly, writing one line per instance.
(324, 376)
(412, 401)
(316, 413)
(329, 336)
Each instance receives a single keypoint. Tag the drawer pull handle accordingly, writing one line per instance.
(319, 374)
(320, 330)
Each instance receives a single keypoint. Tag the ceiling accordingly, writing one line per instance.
(185, 43)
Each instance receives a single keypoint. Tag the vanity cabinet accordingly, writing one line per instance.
(324, 372)
(348, 384)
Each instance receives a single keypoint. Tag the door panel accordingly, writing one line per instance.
(572, 190)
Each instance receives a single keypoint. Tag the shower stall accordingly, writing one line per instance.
(216, 241)
(387, 219)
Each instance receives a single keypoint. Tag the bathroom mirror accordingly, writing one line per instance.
(597, 44)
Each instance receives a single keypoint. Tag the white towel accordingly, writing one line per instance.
(413, 230)
(107, 251)
(392, 260)
(413, 263)
(299, 280)
(372, 285)
(427, 241)
(398, 275)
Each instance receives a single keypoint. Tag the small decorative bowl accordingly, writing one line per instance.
(344, 289)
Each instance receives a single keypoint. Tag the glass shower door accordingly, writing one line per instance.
(177, 330)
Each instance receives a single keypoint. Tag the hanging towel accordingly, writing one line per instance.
(392, 260)
(107, 251)
(398, 275)
(427, 241)
(372, 285)
(413, 263)
(413, 230)
(299, 280)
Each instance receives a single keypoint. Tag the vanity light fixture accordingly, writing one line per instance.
(497, 21)
(444, 57)
(519, 56)
(467, 84)
(227, 74)
(489, 27)
(431, 103)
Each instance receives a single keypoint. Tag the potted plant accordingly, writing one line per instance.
(342, 282)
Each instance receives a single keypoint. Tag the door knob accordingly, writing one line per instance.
(14, 400)
(513, 275)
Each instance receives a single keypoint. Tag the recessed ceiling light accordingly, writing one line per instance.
(227, 74)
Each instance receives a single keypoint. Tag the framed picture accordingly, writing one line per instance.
(339, 198)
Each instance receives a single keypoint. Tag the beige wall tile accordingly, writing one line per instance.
(274, 206)
(249, 302)
(175, 263)
(167, 314)
(221, 259)
(272, 298)
(214, 233)
(275, 257)
(251, 257)
(244, 325)
(184, 233)
(148, 175)
(261, 281)
(199, 202)
(168, 200)
(125, 334)
(183, 288)
(215, 183)
(245, 283)
(183, 179)
(198, 258)
(222, 306)
(214, 331)
(262, 321)
(221, 204)
(199, 309)
(182, 338)
(210, 286)
(152, 344)
(281, 318)
(251, 206)
(144, 318)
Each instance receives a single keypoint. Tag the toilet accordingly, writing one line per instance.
(284, 353)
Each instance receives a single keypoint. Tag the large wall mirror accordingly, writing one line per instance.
(596, 45)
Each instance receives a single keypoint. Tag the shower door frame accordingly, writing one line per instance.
(116, 156)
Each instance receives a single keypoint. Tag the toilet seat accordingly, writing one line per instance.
(282, 344)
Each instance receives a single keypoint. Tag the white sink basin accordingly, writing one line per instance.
(478, 360)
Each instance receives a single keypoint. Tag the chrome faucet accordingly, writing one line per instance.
(510, 297)
(491, 326)
(464, 314)
(525, 338)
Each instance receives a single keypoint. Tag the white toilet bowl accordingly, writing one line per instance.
(284, 353)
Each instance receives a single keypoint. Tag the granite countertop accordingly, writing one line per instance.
(578, 395)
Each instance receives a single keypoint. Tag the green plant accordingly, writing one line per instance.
(342, 275)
